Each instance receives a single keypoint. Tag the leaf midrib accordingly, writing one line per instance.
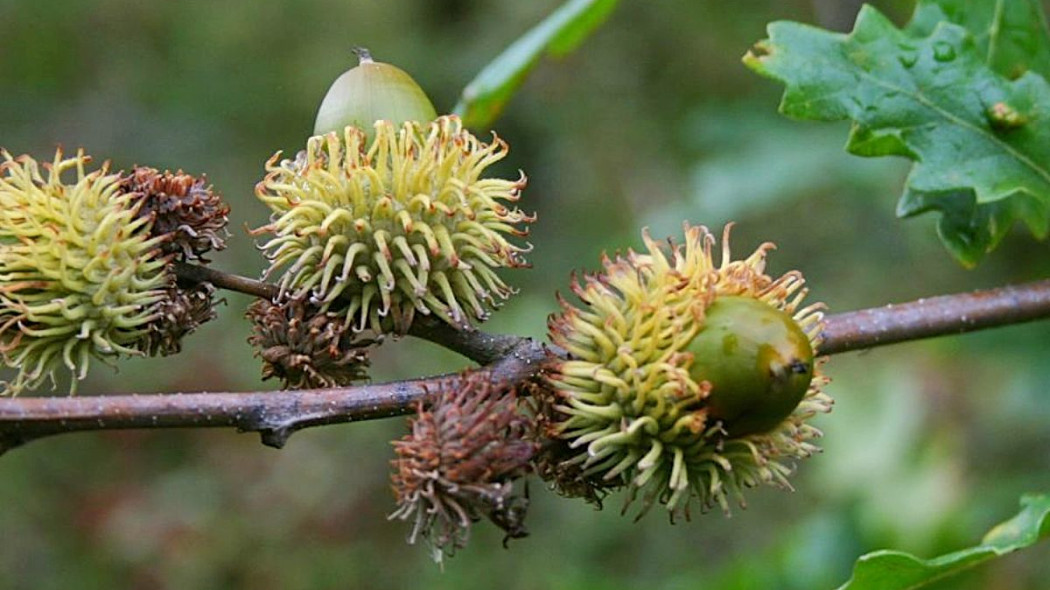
(993, 31)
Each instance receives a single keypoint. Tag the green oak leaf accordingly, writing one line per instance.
(980, 141)
(896, 570)
(560, 33)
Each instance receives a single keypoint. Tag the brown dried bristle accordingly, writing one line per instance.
(180, 313)
(466, 449)
(184, 207)
(305, 347)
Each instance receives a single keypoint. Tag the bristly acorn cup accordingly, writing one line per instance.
(85, 268)
(685, 379)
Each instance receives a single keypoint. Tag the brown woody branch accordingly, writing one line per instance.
(276, 415)
(936, 316)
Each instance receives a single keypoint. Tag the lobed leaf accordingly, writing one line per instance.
(896, 570)
(560, 33)
(934, 92)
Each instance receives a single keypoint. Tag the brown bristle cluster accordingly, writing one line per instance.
(184, 207)
(305, 347)
(181, 312)
(191, 219)
(467, 447)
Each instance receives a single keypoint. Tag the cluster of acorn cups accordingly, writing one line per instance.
(676, 377)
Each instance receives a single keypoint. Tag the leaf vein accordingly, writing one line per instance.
(953, 118)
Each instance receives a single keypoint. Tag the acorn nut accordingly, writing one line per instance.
(370, 92)
(758, 361)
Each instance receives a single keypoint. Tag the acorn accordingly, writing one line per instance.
(370, 92)
(758, 361)
(686, 378)
(390, 212)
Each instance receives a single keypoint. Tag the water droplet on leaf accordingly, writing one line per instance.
(943, 51)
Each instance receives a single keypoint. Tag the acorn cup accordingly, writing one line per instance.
(86, 264)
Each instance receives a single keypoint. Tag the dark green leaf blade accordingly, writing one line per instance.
(896, 570)
(981, 142)
(485, 96)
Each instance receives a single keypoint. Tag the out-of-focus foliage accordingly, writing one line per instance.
(896, 570)
(936, 93)
(485, 97)
(651, 121)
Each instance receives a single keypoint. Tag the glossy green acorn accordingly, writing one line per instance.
(370, 92)
(758, 361)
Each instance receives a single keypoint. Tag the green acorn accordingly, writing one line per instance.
(758, 361)
(389, 213)
(686, 378)
(370, 92)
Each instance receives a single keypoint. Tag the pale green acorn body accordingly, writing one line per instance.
(370, 92)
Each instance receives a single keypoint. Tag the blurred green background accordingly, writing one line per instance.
(651, 122)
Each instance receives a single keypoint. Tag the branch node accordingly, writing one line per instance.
(276, 437)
